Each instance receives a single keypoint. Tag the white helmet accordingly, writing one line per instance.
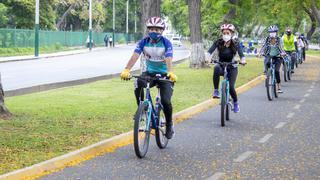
(155, 22)
(228, 27)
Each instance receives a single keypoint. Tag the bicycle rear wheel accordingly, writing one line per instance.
(161, 139)
(223, 103)
(268, 84)
(289, 72)
(285, 74)
(228, 111)
(141, 133)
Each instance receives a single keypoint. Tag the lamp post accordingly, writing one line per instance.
(127, 29)
(90, 25)
(36, 40)
(113, 21)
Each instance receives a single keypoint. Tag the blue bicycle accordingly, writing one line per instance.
(149, 116)
(271, 81)
(225, 101)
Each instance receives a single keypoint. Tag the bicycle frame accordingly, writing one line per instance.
(226, 80)
(152, 109)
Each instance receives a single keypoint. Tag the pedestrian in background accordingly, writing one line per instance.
(110, 41)
(106, 39)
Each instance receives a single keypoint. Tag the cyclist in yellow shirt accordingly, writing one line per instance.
(290, 46)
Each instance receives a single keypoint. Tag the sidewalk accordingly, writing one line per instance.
(56, 54)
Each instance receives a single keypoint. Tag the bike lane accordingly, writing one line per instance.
(267, 139)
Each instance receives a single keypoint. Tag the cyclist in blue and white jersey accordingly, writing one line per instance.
(157, 54)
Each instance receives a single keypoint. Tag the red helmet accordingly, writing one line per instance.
(155, 22)
(228, 27)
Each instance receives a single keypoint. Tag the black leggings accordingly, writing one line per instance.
(277, 61)
(232, 75)
(166, 90)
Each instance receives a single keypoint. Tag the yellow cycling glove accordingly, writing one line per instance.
(125, 74)
(172, 76)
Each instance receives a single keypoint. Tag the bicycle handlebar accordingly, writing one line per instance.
(150, 78)
(228, 63)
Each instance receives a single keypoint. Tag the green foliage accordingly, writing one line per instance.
(177, 11)
(3, 15)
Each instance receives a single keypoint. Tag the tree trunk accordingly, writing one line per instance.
(63, 17)
(197, 59)
(232, 12)
(315, 11)
(149, 8)
(313, 22)
(4, 112)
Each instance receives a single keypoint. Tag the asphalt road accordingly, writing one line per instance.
(23, 74)
(277, 139)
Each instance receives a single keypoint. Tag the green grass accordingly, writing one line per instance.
(4, 52)
(313, 52)
(55, 122)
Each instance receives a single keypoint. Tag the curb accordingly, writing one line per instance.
(110, 145)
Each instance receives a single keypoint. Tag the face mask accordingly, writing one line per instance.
(273, 34)
(154, 35)
(288, 33)
(226, 38)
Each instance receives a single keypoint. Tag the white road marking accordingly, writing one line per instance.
(290, 115)
(216, 176)
(312, 86)
(265, 138)
(310, 90)
(306, 95)
(313, 83)
(243, 156)
(297, 106)
(280, 125)
(302, 100)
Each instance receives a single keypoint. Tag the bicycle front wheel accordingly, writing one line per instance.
(141, 133)
(268, 84)
(223, 103)
(161, 139)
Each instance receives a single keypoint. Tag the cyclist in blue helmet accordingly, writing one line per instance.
(272, 48)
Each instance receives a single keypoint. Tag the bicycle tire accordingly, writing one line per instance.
(289, 73)
(161, 139)
(268, 87)
(223, 103)
(142, 111)
(285, 74)
(228, 112)
(275, 90)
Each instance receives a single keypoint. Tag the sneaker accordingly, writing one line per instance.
(280, 91)
(215, 94)
(236, 107)
(169, 132)
(292, 71)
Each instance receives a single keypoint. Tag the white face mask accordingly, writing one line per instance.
(273, 34)
(226, 37)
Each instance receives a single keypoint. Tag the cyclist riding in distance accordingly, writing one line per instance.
(227, 49)
(306, 44)
(157, 53)
(272, 49)
(290, 46)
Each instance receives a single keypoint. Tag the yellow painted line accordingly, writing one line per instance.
(109, 145)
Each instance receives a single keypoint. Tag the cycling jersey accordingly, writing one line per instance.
(154, 54)
(288, 42)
